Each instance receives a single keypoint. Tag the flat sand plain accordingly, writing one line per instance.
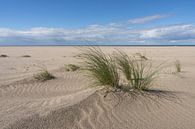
(68, 102)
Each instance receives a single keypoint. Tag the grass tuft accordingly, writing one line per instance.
(71, 67)
(3, 55)
(44, 75)
(178, 66)
(139, 73)
(141, 56)
(26, 56)
(100, 67)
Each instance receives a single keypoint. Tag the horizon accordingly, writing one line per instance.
(97, 22)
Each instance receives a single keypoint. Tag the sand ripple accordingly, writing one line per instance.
(97, 112)
(25, 98)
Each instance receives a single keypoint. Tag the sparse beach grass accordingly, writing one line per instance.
(141, 56)
(138, 72)
(26, 56)
(178, 66)
(72, 67)
(3, 55)
(44, 75)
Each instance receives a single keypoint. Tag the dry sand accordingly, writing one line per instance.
(68, 103)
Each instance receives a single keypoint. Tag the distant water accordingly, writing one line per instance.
(101, 45)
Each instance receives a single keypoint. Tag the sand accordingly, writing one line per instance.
(68, 102)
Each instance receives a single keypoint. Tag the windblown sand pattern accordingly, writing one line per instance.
(99, 112)
(68, 103)
(29, 97)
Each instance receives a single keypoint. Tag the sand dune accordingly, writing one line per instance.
(99, 112)
(27, 97)
(68, 103)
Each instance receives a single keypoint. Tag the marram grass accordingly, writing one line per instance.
(178, 66)
(71, 67)
(105, 70)
(3, 55)
(101, 68)
(26, 56)
(44, 75)
(138, 72)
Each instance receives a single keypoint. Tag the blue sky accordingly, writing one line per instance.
(104, 22)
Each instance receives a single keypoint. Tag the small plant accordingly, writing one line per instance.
(139, 73)
(178, 66)
(3, 55)
(100, 68)
(26, 56)
(141, 56)
(71, 67)
(44, 75)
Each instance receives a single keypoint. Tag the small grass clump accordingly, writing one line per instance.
(100, 67)
(141, 56)
(44, 75)
(26, 56)
(139, 73)
(3, 55)
(71, 67)
(178, 66)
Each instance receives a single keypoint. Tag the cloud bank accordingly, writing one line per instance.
(113, 33)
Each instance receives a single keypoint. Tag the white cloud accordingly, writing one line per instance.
(112, 33)
(146, 19)
(170, 33)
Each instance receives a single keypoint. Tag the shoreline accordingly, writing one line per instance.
(97, 45)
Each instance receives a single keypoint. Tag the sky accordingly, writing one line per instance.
(97, 22)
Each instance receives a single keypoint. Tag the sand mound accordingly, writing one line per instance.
(114, 112)
(27, 97)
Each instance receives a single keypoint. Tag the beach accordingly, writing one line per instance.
(69, 102)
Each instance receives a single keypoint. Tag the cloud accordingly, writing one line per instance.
(146, 19)
(171, 33)
(112, 33)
